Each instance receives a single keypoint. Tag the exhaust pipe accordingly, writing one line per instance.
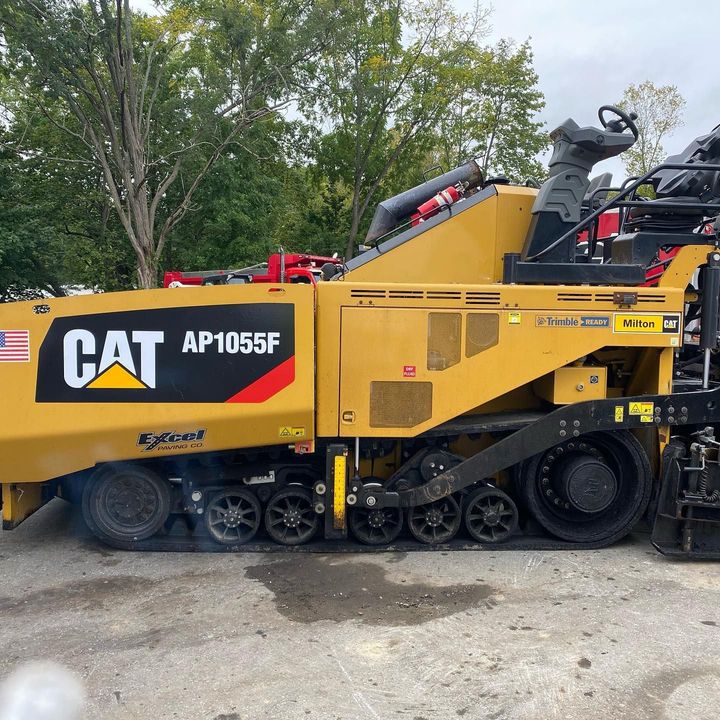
(391, 212)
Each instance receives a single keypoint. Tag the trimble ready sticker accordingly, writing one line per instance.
(217, 353)
(572, 321)
(641, 323)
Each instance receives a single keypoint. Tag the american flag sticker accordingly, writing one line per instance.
(14, 346)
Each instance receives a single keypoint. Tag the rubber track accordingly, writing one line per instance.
(198, 541)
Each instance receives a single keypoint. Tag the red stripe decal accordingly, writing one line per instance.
(268, 385)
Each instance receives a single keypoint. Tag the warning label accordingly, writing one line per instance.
(285, 431)
(641, 408)
(636, 323)
(619, 413)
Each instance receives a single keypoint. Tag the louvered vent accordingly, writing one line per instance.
(406, 294)
(488, 299)
(367, 293)
(575, 297)
(443, 295)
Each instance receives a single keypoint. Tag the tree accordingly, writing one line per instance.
(494, 118)
(251, 204)
(154, 102)
(28, 264)
(386, 80)
(659, 111)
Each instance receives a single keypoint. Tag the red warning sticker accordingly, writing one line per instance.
(409, 370)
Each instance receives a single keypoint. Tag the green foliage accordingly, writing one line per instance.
(659, 110)
(214, 132)
(386, 80)
(28, 247)
(56, 230)
(494, 117)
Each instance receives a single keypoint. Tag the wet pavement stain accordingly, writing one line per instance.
(79, 594)
(92, 594)
(318, 588)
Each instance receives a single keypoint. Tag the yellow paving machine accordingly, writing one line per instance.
(488, 372)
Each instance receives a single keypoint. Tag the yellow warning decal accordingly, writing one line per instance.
(619, 413)
(641, 408)
(646, 418)
(286, 431)
(339, 472)
(116, 376)
(514, 318)
(639, 323)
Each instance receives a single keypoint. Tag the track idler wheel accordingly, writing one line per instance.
(290, 518)
(375, 526)
(125, 503)
(233, 516)
(592, 489)
(437, 522)
(490, 515)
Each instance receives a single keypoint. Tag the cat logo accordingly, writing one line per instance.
(114, 367)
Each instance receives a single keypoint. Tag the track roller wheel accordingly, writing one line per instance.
(290, 518)
(375, 526)
(437, 522)
(592, 489)
(490, 515)
(233, 516)
(125, 503)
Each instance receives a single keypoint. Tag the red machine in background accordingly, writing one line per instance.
(280, 267)
(608, 227)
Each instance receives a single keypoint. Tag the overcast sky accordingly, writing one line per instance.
(587, 52)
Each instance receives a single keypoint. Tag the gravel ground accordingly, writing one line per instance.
(617, 633)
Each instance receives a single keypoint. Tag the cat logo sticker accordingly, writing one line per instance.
(116, 368)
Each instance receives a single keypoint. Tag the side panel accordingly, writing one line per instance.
(146, 373)
(412, 357)
(466, 247)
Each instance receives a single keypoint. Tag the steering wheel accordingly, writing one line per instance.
(625, 120)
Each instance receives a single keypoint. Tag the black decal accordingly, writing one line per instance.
(102, 361)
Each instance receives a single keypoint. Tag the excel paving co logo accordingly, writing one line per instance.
(171, 440)
(111, 364)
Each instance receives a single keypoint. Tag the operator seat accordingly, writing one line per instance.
(559, 204)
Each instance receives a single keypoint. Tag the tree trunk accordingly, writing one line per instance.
(147, 271)
(354, 228)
